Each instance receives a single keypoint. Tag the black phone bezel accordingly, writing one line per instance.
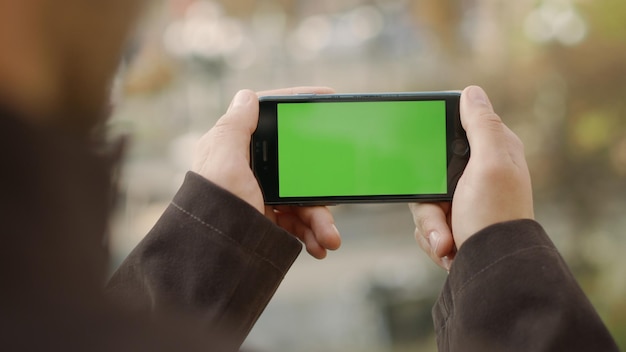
(264, 149)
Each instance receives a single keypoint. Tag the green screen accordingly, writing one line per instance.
(361, 148)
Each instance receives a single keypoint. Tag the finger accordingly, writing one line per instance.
(443, 262)
(431, 223)
(294, 225)
(320, 221)
(232, 132)
(228, 143)
(485, 130)
(297, 90)
(516, 149)
(432, 231)
(243, 112)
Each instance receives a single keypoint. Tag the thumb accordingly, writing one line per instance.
(229, 139)
(223, 154)
(243, 112)
(233, 130)
(485, 130)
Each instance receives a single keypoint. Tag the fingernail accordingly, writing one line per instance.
(478, 95)
(336, 230)
(241, 98)
(433, 240)
(446, 263)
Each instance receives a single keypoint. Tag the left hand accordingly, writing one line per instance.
(223, 157)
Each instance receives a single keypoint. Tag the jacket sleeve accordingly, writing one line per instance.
(510, 290)
(211, 257)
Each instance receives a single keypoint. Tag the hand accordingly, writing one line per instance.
(495, 186)
(223, 157)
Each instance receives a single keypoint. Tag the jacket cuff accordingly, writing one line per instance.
(493, 244)
(231, 216)
(487, 249)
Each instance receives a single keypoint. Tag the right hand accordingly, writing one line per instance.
(495, 186)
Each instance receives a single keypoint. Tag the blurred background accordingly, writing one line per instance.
(554, 69)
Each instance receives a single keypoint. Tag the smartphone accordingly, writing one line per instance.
(359, 148)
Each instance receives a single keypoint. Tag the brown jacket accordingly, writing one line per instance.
(510, 290)
(203, 275)
(197, 282)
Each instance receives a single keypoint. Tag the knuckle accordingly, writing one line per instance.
(422, 225)
(516, 142)
(490, 115)
(417, 233)
(494, 170)
(421, 241)
(220, 130)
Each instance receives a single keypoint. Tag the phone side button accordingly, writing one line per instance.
(460, 147)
